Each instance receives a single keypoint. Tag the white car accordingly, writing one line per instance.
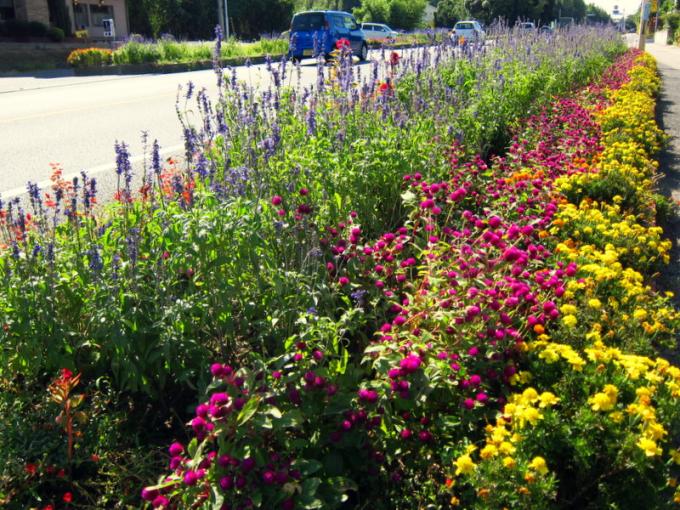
(526, 26)
(378, 32)
(470, 31)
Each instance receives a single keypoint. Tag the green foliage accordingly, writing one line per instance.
(596, 14)
(406, 14)
(449, 12)
(55, 34)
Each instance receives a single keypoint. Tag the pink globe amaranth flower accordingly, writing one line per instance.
(191, 478)
(281, 212)
(370, 396)
(331, 390)
(239, 402)
(410, 363)
(276, 374)
(160, 501)
(288, 504)
(202, 411)
(176, 449)
(198, 424)
(317, 355)
(268, 477)
(346, 425)
(241, 482)
(475, 380)
(468, 403)
(219, 399)
(216, 369)
(343, 280)
(399, 320)
(175, 462)
(149, 494)
(281, 477)
(425, 436)
(482, 397)
(473, 351)
(304, 191)
(226, 483)
(224, 461)
(276, 200)
(247, 464)
(405, 433)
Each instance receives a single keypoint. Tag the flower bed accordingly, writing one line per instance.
(500, 315)
(281, 209)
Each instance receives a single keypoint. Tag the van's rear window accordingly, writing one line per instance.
(311, 21)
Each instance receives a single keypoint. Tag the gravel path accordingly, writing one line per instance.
(668, 116)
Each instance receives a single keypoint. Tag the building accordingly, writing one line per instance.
(83, 14)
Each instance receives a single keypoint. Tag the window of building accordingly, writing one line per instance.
(98, 13)
(80, 16)
(6, 9)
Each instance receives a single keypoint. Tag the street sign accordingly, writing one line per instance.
(646, 10)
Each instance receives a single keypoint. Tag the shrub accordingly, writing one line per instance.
(90, 57)
(37, 29)
(55, 34)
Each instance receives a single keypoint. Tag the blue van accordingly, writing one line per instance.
(314, 33)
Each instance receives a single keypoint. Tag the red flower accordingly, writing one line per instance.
(48, 507)
(385, 88)
(342, 43)
(66, 374)
(67, 497)
(394, 58)
(30, 469)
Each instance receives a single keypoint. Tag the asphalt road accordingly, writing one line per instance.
(55, 117)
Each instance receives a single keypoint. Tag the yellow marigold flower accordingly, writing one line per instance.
(522, 490)
(569, 320)
(530, 395)
(488, 451)
(602, 402)
(483, 493)
(509, 462)
(611, 391)
(616, 416)
(538, 464)
(673, 482)
(675, 455)
(548, 399)
(568, 309)
(649, 446)
(506, 448)
(464, 465)
(595, 303)
(640, 314)
(454, 501)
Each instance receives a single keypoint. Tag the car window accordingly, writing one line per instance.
(337, 21)
(350, 24)
(308, 21)
(464, 26)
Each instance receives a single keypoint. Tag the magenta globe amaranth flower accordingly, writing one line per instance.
(149, 494)
(277, 200)
(268, 477)
(370, 396)
(410, 363)
(176, 449)
(160, 501)
(226, 483)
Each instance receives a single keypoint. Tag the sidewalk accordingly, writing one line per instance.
(668, 116)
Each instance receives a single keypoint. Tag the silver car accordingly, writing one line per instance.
(469, 31)
(378, 32)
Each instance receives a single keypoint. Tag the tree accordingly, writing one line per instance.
(449, 12)
(406, 14)
(595, 14)
(251, 18)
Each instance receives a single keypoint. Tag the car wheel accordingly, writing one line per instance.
(363, 54)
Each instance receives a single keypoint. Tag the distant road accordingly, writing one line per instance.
(54, 117)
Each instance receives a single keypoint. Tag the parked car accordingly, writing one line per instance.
(314, 33)
(545, 29)
(526, 26)
(378, 32)
(470, 31)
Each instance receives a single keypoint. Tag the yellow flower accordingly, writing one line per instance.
(570, 321)
(649, 446)
(509, 462)
(454, 501)
(640, 314)
(464, 465)
(548, 399)
(488, 451)
(604, 401)
(538, 464)
(595, 304)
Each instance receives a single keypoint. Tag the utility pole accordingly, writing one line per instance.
(226, 20)
(641, 40)
(220, 15)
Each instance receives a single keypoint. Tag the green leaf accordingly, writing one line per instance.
(274, 412)
(292, 419)
(248, 410)
(192, 447)
(308, 496)
(307, 467)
